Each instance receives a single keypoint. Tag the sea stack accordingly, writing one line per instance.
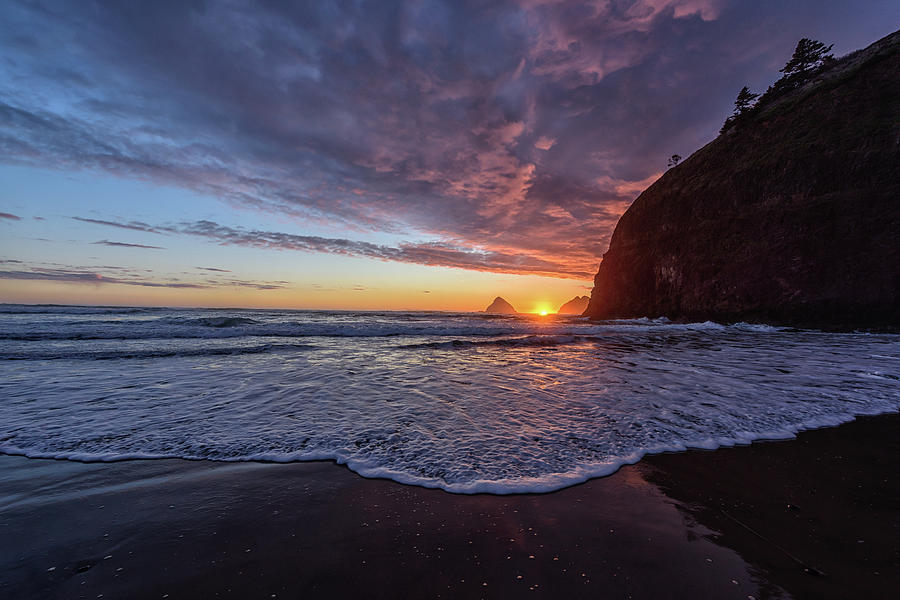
(500, 306)
(791, 216)
(575, 306)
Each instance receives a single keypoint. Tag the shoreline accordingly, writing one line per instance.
(728, 523)
(602, 472)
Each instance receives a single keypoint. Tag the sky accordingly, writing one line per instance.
(424, 155)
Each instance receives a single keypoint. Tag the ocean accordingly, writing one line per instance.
(464, 402)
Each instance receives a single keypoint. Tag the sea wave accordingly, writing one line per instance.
(545, 482)
(289, 326)
(456, 402)
(210, 321)
(539, 341)
(61, 309)
(128, 353)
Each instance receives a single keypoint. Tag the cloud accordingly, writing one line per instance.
(133, 225)
(625, 188)
(438, 254)
(213, 269)
(434, 253)
(544, 143)
(9, 216)
(77, 276)
(117, 275)
(125, 245)
(498, 130)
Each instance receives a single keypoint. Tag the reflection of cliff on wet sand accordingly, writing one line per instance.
(818, 515)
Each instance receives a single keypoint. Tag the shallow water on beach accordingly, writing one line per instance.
(464, 402)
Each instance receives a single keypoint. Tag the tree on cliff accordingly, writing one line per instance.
(673, 160)
(744, 101)
(808, 56)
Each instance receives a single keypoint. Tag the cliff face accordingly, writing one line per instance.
(793, 217)
(501, 306)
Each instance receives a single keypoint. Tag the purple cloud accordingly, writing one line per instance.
(9, 216)
(106, 275)
(511, 134)
(126, 245)
(133, 225)
(433, 253)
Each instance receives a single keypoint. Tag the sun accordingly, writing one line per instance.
(542, 309)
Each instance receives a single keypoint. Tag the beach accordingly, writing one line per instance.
(813, 517)
(247, 342)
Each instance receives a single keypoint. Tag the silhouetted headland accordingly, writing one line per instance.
(791, 216)
(575, 306)
(501, 306)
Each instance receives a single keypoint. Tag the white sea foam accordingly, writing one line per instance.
(463, 403)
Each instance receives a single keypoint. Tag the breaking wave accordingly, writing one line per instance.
(459, 402)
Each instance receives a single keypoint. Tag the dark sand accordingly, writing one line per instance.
(809, 518)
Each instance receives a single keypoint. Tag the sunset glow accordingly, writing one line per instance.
(544, 308)
(360, 163)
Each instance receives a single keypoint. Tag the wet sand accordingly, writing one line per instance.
(814, 517)
(819, 515)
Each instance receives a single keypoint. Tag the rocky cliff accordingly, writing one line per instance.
(575, 306)
(501, 306)
(792, 217)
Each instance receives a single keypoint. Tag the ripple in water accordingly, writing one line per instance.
(457, 402)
